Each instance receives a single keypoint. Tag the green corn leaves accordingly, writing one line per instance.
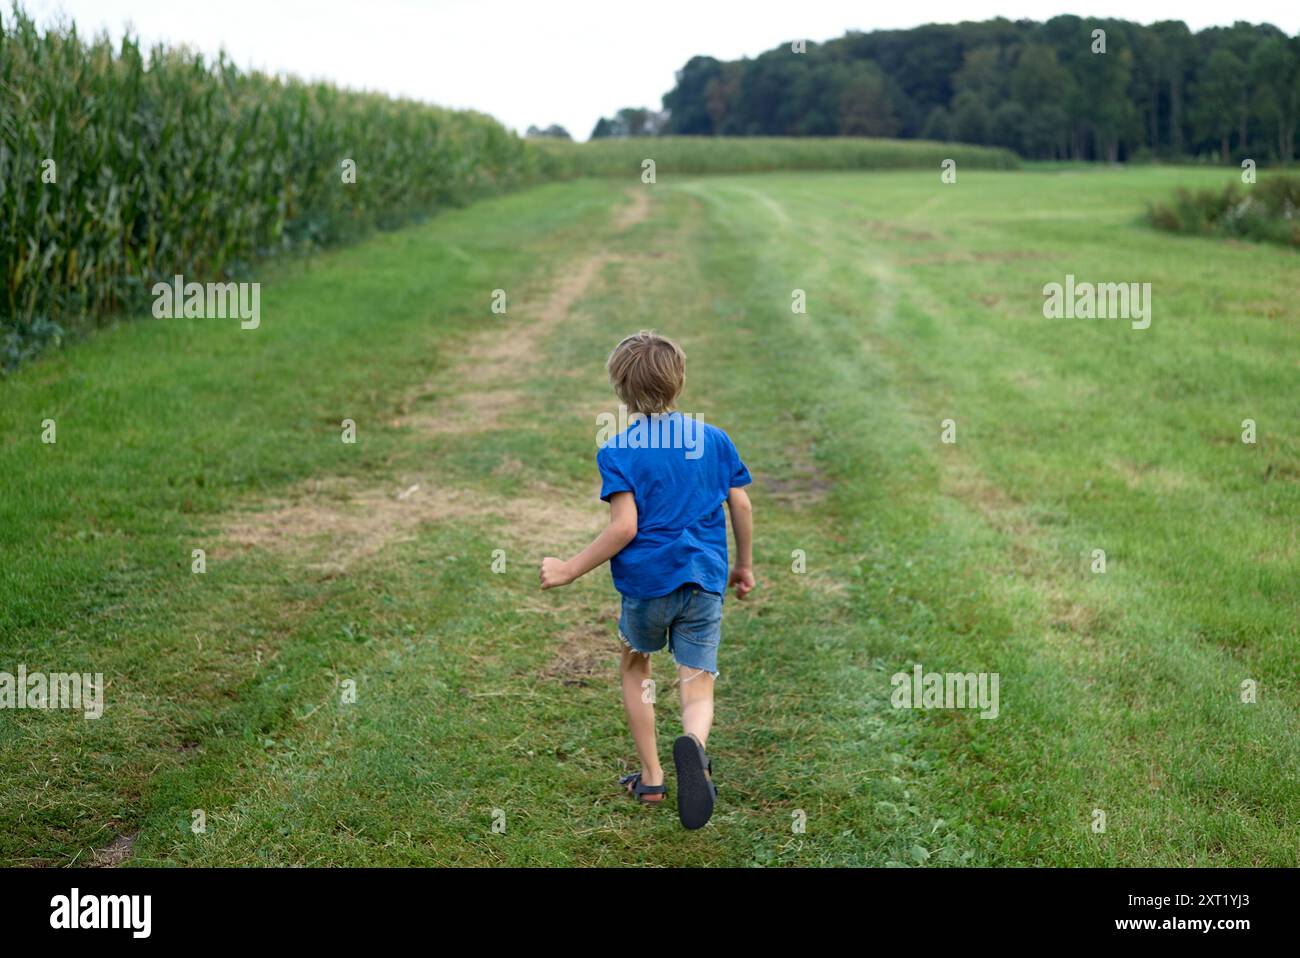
(120, 167)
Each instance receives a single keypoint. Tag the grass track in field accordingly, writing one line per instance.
(475, 692)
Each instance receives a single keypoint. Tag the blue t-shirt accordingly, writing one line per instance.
(679, 469)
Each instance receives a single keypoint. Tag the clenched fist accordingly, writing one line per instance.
(555, 572)
(743, 580)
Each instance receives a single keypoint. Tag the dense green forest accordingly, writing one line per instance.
(1045, 90)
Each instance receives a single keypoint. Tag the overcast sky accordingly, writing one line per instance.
(557, 61)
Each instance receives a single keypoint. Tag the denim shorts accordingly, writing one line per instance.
(688, 620)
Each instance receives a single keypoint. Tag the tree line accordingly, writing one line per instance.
(1070, 88)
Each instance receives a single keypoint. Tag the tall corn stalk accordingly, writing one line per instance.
(166, 163)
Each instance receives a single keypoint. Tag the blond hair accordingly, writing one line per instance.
(647, 371)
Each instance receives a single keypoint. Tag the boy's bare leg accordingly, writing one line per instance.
(697, 702)
(641, 714)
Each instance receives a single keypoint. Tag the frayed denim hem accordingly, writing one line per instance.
(698, 672)
(680, 665)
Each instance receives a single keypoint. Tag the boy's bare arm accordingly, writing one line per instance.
(742, 524)
(620, 531)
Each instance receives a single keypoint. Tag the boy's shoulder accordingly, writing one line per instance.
(719, 432)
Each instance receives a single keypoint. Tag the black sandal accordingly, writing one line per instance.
(639, 790)
(695, 789)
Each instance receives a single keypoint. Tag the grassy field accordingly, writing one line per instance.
(479, 699)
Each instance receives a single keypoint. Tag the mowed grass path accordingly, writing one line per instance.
(480, 700)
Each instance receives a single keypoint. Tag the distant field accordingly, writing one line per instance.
(370, 563)
(690, 154)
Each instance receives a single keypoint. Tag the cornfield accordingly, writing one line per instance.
(119, 168)
(703, 154)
